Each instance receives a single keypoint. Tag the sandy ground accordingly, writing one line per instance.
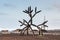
(29, 37)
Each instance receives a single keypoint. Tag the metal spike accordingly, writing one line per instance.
(39, 24)
(35, 9)
(38, 11)
(36, 26)
(25, 11)
(31, 11)
(25, 21)
(22, 23)
(44, 22)
(45, 26)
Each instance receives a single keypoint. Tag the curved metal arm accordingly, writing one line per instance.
(22, 23)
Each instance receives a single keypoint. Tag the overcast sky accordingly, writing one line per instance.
(11, 12)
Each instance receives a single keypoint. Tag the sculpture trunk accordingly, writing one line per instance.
(27, 31)
(31, 20)
(39, 32)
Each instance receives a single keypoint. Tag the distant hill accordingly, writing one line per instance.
(53, 31)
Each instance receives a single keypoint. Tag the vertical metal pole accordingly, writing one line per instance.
(27, 30)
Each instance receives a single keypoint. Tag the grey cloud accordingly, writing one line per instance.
(56, 5)
(3, 14)
(9, 5)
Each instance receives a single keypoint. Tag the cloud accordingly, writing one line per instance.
(3, 14)
(57, 6)
(9, 5)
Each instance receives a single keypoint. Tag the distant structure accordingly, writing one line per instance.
(5, 32)
(29, 23)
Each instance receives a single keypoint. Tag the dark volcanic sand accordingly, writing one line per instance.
(30, 37)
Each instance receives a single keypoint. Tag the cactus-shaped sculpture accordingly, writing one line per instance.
(30, 22)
